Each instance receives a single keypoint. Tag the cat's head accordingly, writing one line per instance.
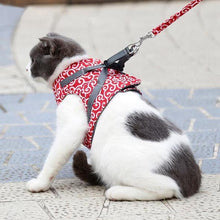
(49, 53)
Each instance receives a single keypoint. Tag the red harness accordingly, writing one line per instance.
(84, 85)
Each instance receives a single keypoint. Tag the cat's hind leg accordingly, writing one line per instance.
(150, 187)
(129, 193)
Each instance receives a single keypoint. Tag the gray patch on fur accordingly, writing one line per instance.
(183, 169)
(149, 126)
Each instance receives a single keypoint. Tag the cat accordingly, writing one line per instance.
(136, 152)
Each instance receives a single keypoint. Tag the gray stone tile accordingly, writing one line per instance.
(39, 98)
(6, 99)
(44, 142)
(214, 112)
(146, 216)
(74, 188)
(28, 130)
(182, 124)
(16, 173)
(170, 93)
(210, 183)
(206, 93)
(29, 158)
(75, 208)
(183, 114)
(195, 216)
(66, 172)
(205, 124)
(198, 102)
(25, 211)
(161, 103)
(17, 144)
(137, 208)
(10, 118)
(211, 166)
(208, 138)
(203, 151)
(41, 117)
(201, 203)
(11, 192)
(3, 156)
(24, 107)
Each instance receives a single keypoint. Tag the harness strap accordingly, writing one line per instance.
(101, 80)
(79, 73)
(116, 62)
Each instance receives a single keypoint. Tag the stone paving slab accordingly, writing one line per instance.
(184, 56)
(27, 129)
(73, 199)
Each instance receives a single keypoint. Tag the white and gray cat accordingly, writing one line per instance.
(136, 152)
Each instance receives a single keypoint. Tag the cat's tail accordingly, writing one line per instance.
(83, 170)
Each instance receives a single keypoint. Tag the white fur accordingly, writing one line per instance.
(63, 65)
(71, 127)
(124, 162)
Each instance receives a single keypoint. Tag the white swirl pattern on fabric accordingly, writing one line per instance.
(84, 85)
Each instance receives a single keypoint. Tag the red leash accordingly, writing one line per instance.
(135, 47)
(173, 18)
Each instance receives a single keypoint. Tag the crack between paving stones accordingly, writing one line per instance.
(169, 206)
(104, 207)
(21, 115)
(21, 100)
(31, 140)
(191, 125)
(4, 130)
(53, 190)
(45, 209)
(49, 128)
(45, 106)
(191, 93)
(203, 111)
(8, 158)
(172, 101)
(3, 108)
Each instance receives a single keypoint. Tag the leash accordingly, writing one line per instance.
(133, 48)
(118, 60)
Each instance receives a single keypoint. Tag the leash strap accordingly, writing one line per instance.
(118, 60)
(155, 31)
(174, 17)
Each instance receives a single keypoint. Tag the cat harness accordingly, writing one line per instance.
(95, 85)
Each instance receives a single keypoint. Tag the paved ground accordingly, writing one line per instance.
(180, 72)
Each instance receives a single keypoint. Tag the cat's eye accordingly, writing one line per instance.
(32, 60)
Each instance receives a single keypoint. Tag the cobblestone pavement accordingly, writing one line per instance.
(184, 84)
(27, 125)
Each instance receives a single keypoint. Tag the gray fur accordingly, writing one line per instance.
(150, 127)
(183, 169)
(49, 52)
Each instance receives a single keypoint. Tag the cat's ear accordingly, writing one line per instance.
(50, 44)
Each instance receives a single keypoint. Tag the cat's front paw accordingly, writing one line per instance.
(37, 185)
